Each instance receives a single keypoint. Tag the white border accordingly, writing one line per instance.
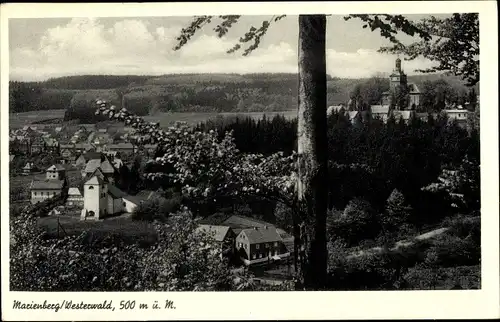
(482, 303)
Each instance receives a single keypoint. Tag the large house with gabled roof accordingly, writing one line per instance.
(259, 245)
(53, 185)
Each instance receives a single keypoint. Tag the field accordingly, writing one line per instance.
(167, 119)
(20, 119)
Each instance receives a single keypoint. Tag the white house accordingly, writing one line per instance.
(457, 114)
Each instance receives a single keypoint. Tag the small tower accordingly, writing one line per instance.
(398, 77)
(95, 196)
(398, 65)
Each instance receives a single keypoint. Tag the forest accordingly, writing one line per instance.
(146, 95)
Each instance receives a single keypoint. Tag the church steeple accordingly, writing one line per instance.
(398, 64)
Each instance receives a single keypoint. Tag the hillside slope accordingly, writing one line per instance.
(181, 93)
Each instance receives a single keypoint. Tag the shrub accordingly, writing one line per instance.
(156, 209)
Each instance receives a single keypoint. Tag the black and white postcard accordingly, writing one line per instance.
(249, 161)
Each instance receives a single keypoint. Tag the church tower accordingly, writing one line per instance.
(398, 77)
(95, 196)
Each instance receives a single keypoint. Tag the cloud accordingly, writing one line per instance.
(133, 46)
(367, 62)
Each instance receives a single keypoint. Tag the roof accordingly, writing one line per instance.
(28, 166)
(121, 146)
(56, 167)
(413, 88)
(217, 232)
(93, 155)
(95, 180)
(92, 165)
(261, 235)
(74, 191)
(143, 196)
(47, 184)
(115, 192)
(51, 142)
(352, 114)
(380, 109)
(97, 172)
(238, 223)
(87, 146)
(106, 167)
(147, 194)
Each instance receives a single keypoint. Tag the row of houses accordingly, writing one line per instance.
(86, 137)
(384, 112)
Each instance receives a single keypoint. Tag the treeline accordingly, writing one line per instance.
(25, 97)
(94, 81)
(370, 159)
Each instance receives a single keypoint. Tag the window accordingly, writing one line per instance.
(91, 188)
(275, 244)
(260, 255)
(275, 253)
(253, 256)
(245, 246)
(267, 245)
(257, 246)
(36, 193)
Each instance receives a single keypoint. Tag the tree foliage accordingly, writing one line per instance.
(451, 42)
(182, 260)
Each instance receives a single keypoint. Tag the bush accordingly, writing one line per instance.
(355, 224)
(449, 250)
(156, 209)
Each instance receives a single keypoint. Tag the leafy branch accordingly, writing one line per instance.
(252, 37)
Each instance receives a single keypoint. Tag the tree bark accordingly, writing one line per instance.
(312, 185)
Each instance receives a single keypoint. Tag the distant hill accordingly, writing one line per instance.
(180, 92)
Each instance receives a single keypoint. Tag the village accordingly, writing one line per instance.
(85, 174)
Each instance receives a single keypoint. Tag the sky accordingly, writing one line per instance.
(41, 48)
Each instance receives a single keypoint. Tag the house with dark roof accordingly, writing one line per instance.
(223, 235)
(260, 245)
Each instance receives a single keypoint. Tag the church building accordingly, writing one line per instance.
(399, 79)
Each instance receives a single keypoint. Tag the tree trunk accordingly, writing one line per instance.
(312, 188)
